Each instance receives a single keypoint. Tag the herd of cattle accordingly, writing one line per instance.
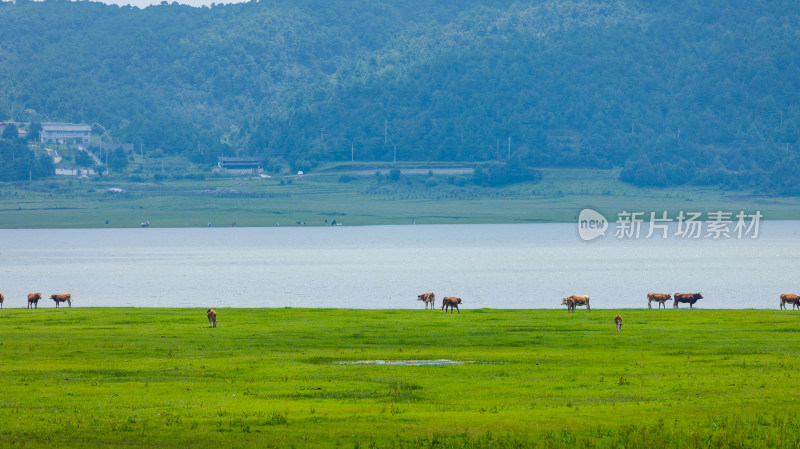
(450, 302)
(576, 300)
(33, 299)
(660, 298)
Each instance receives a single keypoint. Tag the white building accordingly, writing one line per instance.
(65, 132)
(239, 164)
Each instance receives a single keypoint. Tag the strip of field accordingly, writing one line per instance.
(356, 198)
(90, 377)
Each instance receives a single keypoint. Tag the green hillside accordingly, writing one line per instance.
(669, 92)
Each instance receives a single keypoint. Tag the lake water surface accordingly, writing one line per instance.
(495, 266)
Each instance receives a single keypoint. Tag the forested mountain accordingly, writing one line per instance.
(671, 91)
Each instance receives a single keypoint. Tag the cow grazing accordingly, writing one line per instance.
(570, 304)
(33, 298)
(660, 298)
(618, 322)
(212, 317)
(691, 298)
(2, 298)
(450, 302)
(580, 301)
(427, 298)
(62, 298)
(785, 298)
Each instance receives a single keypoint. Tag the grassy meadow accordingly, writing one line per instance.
(354, 195)
(93, 377)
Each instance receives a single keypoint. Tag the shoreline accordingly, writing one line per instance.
(361, 225)
(395, 310)
(316, 201)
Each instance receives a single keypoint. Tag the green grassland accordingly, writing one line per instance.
(354, 195)
(93, 377)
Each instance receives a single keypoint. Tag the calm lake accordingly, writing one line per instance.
(494, 266)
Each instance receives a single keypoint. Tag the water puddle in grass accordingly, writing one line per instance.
(436, 362)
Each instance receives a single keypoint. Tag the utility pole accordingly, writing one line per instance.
(351, 152)
(395, 153)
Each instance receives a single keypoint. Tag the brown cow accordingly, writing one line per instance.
(62, 298)
(660, 298)
(33, 298)
(580, 301)
(450, 302)
(427, 298)
(691, 298)
(785, 298)
(212, 317)
(2, 298)
(570, 304)
(618, 322)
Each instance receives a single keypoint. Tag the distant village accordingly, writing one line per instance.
(79, 135)
(50, 132)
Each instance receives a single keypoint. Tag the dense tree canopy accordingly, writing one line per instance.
(671, 91)
(18, 163)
